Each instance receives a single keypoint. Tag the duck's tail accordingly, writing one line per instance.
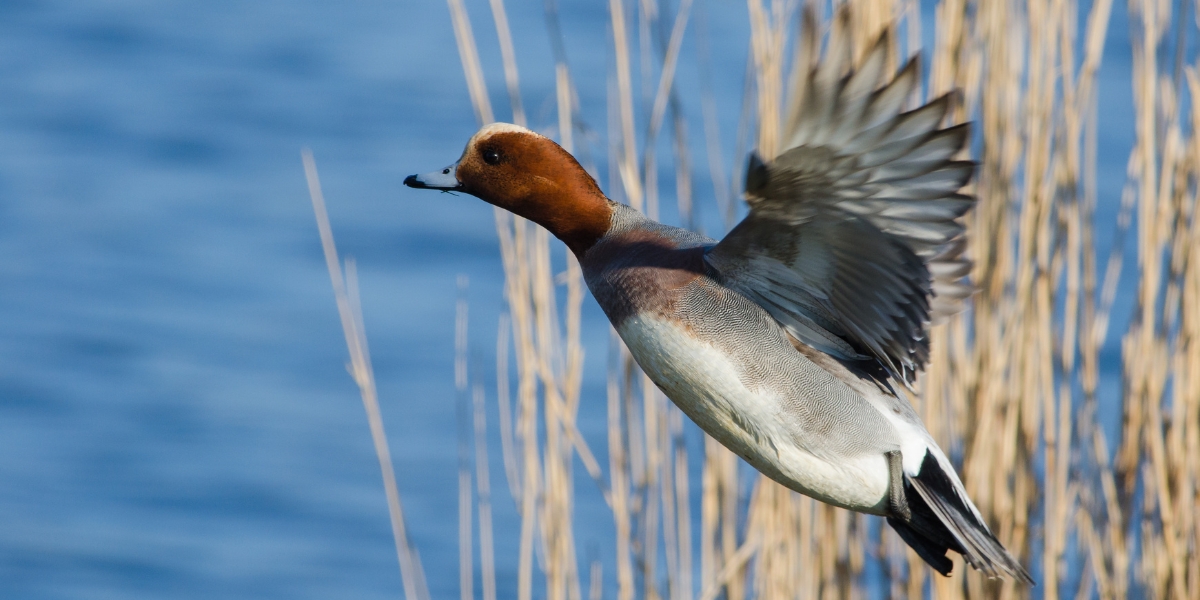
(942, 518)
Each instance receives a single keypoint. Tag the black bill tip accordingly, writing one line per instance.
(412, 182)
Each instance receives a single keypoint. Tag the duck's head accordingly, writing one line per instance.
(531, 176)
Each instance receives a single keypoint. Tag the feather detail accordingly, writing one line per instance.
(853, 242)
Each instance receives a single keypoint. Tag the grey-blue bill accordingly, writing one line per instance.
(444, 179)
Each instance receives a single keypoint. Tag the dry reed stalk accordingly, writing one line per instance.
(470, 59)
(684, 579)
(509, 56)
(345, 291)
(466, 565)
(712, 131)
(507, 444)
(663, 97)
(618, 467)
(767, 43)
(487, 544)
(627, 164)
(1186, 398)
(1079, 96)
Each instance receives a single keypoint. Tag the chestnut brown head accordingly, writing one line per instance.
(531, 176)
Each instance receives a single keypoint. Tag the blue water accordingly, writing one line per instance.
(175, 416)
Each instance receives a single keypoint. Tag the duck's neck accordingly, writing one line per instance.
(574, 210)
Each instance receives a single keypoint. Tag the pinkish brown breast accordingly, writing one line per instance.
(643, 270)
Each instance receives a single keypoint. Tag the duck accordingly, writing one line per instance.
(794, 340)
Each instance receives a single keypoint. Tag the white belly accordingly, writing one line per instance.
(705, 384)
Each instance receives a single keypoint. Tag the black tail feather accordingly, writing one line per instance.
(930, 551)
(942, 520)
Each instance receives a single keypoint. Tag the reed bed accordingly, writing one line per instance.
(1016, 390)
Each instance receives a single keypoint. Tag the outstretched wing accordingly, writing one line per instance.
(853, 241)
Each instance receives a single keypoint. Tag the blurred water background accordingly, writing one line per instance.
(176, 419)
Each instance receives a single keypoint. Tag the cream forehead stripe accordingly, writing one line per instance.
(494, 128)
(489, 130)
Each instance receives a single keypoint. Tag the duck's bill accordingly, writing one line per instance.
(444, 179)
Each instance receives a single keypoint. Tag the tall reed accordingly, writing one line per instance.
(345, 291)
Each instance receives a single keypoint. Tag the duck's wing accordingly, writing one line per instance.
(853, 241)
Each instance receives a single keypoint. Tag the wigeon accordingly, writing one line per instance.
(792, 340)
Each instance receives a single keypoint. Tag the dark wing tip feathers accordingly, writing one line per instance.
(941, 520)
(906, 359)
(757, 175)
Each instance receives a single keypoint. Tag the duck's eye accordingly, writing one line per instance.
(491, 157)
(446, 171)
